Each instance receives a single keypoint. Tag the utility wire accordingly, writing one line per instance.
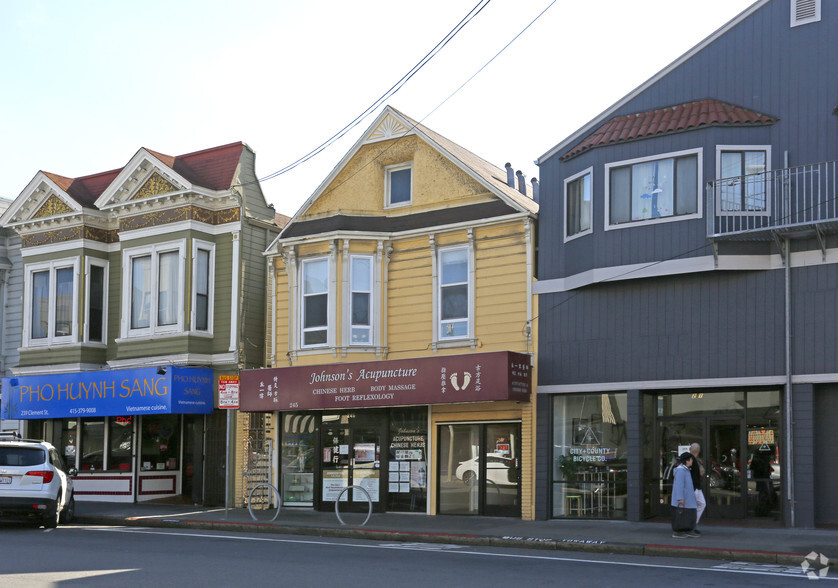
(393, 89)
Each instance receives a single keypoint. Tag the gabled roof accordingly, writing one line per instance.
(84, 190)
(668, 120)
(490, 176)
(212, 168)
(585, 129)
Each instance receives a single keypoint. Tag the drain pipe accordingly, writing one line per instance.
(789, 467)
(789, 445)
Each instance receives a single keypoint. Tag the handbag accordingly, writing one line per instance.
(683, 519)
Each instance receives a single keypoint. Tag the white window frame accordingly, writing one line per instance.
(717, 197)
(193, 318)
(369, 290)
(88, 263)
(301, 303)
(51, 267)
(154, 251)
(567, 182)
(699, 153)
(387, 172)
(439, 326)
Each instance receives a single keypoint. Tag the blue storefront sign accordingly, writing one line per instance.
(170, 390)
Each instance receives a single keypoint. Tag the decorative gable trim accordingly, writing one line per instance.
(389, 128)
(155, 185)
(41, 199)
(147, 171)
(53, 206)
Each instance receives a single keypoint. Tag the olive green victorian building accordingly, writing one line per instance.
(133, 309)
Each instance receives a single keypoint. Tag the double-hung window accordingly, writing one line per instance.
(203, 278)
(656, 189)
(577, 197)
(744, 174)
(361, 299)
(153, 277)
(96, 300)
(454, 293)
(398, 184)
(315, 302)
(51, 302)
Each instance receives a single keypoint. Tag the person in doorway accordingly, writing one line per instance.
(683, 497)
(697, 471)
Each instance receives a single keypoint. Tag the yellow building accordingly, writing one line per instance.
(400, 333)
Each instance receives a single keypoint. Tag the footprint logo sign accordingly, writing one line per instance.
(455, 378)
(815, 566)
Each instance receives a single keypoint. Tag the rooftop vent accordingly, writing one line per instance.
(805, 12)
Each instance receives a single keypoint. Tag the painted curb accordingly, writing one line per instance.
(685, 551)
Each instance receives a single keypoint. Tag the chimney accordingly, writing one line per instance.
(522, 182)
(510, 175)
(535, 189)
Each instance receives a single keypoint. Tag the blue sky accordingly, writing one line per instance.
(86, 83)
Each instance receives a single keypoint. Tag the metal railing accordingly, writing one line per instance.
(785, 200)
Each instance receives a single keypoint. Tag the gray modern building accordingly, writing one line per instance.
(688, 282)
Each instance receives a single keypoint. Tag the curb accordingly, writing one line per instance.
(769, 557)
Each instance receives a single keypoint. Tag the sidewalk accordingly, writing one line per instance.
(780, 546)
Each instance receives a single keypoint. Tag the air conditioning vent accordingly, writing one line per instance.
(805, 11)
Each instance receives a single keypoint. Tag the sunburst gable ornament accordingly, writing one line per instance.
(389, 128)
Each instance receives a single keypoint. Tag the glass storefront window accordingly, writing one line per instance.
(92, 445)
(589, 456)
(408, 452)
(120, 440)
(701, 403)
(69, 441)
(298, 452)
(764, 437)
(160, 442)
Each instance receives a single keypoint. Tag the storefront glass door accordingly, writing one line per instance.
(479, 469)
(721, 443)
(351, 457)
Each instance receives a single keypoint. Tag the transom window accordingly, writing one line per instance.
(577, 194)
(154, 277)
(745, 170)
(51, 301)
(454, 293)
(361, 299)
(315, 302)
(398, 184)
(649, 190)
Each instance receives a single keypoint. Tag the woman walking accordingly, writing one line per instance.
(683, 499)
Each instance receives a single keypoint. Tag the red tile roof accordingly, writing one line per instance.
(671, 119)
(212, 168)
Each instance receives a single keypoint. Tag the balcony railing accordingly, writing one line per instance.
(791, 201)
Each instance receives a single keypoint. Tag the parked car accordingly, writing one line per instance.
(34, 484)
(500, 470)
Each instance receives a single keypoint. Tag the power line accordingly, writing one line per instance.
(478, 8)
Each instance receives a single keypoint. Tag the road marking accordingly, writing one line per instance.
(422, 546)
(146, 531)
(763, 567)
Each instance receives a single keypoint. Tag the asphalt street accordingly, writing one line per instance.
(133, 556)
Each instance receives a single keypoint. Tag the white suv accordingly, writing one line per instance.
(34, 484)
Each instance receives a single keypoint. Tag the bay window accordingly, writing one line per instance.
(577, 195)
(95, 292)
(153, 277)
(315, 302)
(50, 305)
(361, 300)
(653, 189)
(203, 278)
(454, 293)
